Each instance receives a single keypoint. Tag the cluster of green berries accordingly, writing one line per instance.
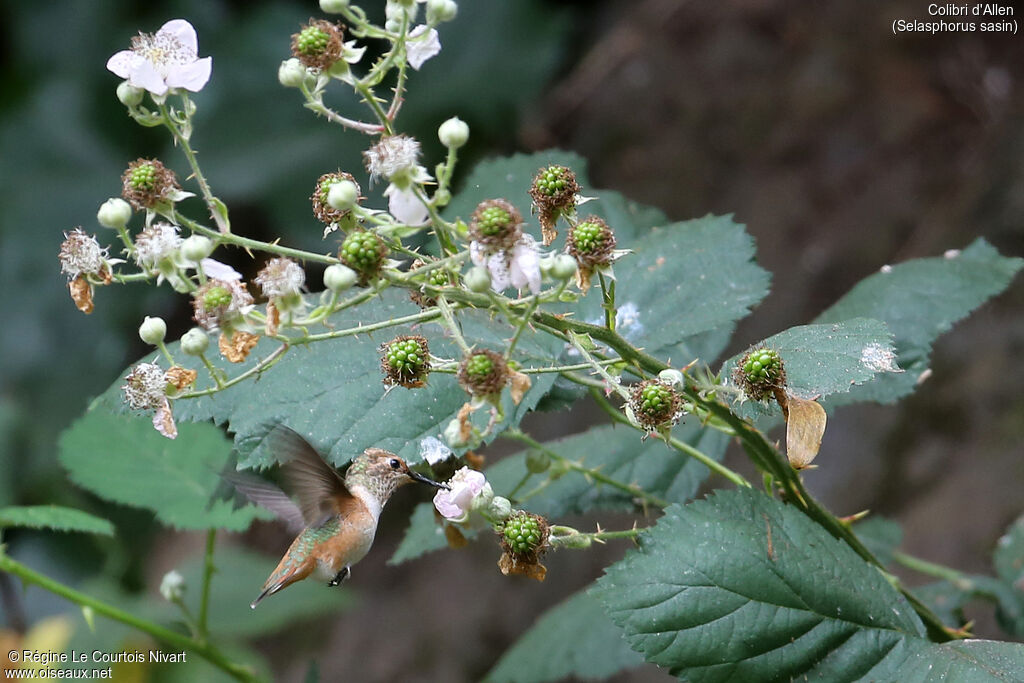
(591, 242)
(216, 297)
(146, 182)
(363, 251)
(523, 534)
(655, 404)
(318, 45)
(493, 220)
(760, 372)
(483, 373)
(142, 177)
(312, 40)
(405, 361)
(551, 180)
(439, 278)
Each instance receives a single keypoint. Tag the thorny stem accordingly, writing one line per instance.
(249, 244)
(452, 324)
(202, 648)
(257, 369)
(204, 188)
(523, 324)
(596, 475)
(208, 570)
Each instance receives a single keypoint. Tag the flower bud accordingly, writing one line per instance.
(195, 341)
(564, 267)
(453, 434)
(114, 213)
(152, 330)
(537, 462)
(172, 587)
(129, 95)
(499, 509)
(342, 195)
(453, 133)
(478, 279)
(567, 537)
(483, 499)
(292, 73)
(338, 278)
(441, 10)
(196, 248)
(333, 6)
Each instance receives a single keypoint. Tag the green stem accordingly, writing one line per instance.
(523, 323)
(208, 570)
(452, 324)
(608, 301)
(631, 489)
(249, 244)
(930, 568)
(261, 366)
(422, 316)
(161, 633)
(182, 139)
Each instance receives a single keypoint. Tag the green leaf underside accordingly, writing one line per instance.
(121, 458)
(617, 452)
(54, 517)
(709, 597)
(574, 638)
(827, 359)
(687, 282)
(919, 300)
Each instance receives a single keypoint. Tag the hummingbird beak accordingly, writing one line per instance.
(416, 476)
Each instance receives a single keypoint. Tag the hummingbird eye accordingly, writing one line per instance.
(395, 463)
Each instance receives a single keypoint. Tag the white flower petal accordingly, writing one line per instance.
(477, 254)
(216, 270)
(181, 31)
(497, 264)
(525, 265)
(405, 206)
(144, 75)
(121, 63)
(419, 49)
(352, 54)
(191, 76)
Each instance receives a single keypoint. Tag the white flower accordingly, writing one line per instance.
(405, 206)
(422, 44)
(456, 502)
(393, 155)
(81, 254)
(281, 277)
(172, 587)
(156, 243)
(169, 59)
(146, 387)
(215, 270)
(518, 267)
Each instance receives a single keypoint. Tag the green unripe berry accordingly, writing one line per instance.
(587, 236)
(143, 177)
(522, 534)
(439, 278)
(364, 252)
(479, 365)
(312, 40)
(216, 297)
(655, 404)
(763, 366)
(406, 356)
(494, 220)
(551, 181)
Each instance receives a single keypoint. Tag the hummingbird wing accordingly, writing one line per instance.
(265, 494)
(317, 486)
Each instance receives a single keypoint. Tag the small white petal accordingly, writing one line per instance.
(181, 31)
(477, 254)
(498, 267)
(216, 270)
(191, 76)
(352, 54)
(525, 265)
(419, 50)
(121, 63)
(145, 75)
(405, 206)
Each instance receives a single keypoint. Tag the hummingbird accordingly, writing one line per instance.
(336, 517)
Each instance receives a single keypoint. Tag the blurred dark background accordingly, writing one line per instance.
(841, 146)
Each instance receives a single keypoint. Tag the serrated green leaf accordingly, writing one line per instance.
(919, 300)
(880, 535)
(240, 575)
(423, 535)
(575, 638)
(742, 587)
(618, 453)
(827, 359)
(121, 458)
(331, 391)
(56, 518)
